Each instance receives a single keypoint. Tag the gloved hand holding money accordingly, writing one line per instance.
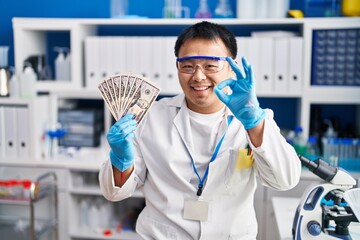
(128, 98)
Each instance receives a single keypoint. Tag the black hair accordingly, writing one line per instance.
(207, 30)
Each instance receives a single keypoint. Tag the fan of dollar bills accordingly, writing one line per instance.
(128, 93)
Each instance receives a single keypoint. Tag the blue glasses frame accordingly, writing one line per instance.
(201, 57)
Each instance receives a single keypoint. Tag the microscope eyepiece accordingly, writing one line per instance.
(319, 167)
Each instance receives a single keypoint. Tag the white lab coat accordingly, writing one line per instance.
(163, 170)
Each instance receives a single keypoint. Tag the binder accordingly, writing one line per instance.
(295, 64)
(105, 56)
(23, 132)
(281, 61)
(265, 81)
(157, 67)
(118, 56)
(10, 132)
(146, 58)
(242, 50)
(132, 55)
(253, 55)
(92, 62)
(169, 60)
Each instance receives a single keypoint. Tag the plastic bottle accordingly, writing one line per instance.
(14, 85)
(312, 150)
(27, 82)
(203, 10)
(84, 213)
(299, 141)
(60, 64)
(67, 67)
(223, 10)
(26, 184)
(93, 216)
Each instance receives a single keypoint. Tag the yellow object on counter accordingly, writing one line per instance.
(350, 8)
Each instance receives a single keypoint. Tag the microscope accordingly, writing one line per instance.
(313, 216)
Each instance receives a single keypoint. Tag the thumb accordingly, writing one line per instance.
(221, 95)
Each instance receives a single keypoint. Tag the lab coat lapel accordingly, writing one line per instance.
(182, 124)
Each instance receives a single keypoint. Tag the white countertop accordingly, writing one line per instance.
(284, 209)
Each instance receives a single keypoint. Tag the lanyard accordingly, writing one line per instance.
(213, 157)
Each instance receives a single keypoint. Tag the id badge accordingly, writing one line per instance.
(196, 209)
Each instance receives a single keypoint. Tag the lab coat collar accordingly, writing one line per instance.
(182, 122)
(179, 101)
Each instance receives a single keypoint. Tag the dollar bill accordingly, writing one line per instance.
(142, 100)
(128, 93)
(116, 81)
(105, 95)
(137, 80)
(112, 94)
(124, 82)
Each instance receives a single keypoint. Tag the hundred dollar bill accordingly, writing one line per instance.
(130, 83)
(124, 83)
(136, 83)
(116, 81)
(105, 95)
(112, 94)
(142, 100)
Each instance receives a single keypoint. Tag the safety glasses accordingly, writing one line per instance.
(207, 64)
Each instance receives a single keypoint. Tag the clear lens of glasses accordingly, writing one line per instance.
(208, 66)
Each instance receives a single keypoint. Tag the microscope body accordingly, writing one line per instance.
(310, 220)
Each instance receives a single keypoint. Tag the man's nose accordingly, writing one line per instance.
(199, 74)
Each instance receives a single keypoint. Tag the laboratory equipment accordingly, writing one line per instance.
(203, 10)
(31, 213)
(174, 9)
(27, 82)
(323, 203)
(119, 8)
(312, 148)
(299, 141)
(350, 8)
(4, 72)
(223, 10)
(62, 64)
(83, 127)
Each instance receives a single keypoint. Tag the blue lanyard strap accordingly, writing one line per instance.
(213, 157)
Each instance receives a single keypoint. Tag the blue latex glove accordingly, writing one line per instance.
(120, 138)
(242, 102)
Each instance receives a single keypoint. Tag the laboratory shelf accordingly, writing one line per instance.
(21, 228)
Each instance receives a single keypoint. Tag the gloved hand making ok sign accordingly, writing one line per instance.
(242, 102)
(120, 138)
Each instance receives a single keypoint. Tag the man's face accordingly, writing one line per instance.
(199, 87)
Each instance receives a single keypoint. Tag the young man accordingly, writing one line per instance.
(196, 156)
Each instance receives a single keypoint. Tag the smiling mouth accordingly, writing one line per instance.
(201, 88)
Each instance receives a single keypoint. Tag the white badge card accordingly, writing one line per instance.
(196, 209)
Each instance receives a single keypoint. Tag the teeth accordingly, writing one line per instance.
(201, 88)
